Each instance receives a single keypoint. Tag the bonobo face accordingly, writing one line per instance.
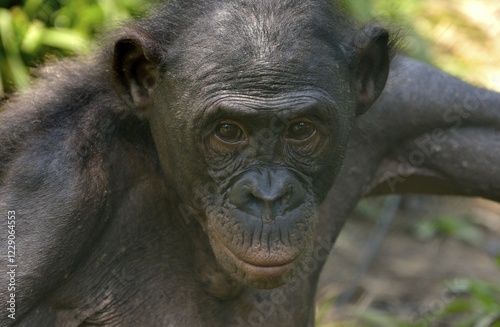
(268, 132)
(271, 161)
(250, 115)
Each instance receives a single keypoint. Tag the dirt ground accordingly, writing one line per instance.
(408, 277)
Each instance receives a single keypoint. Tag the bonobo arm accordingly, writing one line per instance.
(437, 135)
(428, 133)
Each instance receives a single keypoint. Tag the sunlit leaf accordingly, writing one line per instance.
(33, 38)
(64, 39)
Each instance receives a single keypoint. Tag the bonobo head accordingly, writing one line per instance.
(250, 104)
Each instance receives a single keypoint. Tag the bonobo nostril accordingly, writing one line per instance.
(267, 193)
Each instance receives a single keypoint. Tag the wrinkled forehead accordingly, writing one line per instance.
(262, 41)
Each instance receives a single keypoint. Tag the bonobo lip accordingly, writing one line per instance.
(264, 270)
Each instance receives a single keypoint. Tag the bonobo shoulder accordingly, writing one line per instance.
(68, 96)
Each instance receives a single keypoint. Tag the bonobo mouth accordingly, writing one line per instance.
(265, 269)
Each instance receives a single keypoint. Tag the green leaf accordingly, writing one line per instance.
(380, 319)
(7, 34)
(32, 6)
(19, 72)
(64, 39)
(457, 306)
(33, 39)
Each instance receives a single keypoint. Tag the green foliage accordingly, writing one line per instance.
(457, 36)
(464, 302)
(452, 226)
(30, 30)
(469, 303)
(481, 306)
(399, 13)
(374, 318)
(368, 209)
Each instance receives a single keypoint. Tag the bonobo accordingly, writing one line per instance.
(179, 176)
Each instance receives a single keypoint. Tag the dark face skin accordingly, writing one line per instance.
(251, 132)
(258, 193)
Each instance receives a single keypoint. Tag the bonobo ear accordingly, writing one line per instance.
(368, 54)
(135, 70)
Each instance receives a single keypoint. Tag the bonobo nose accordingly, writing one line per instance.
(267, 193)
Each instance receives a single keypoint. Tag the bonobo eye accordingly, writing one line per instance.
(229, 133)
(300, 131)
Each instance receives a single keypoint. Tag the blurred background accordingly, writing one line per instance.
(400, 261)
(421, 260)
